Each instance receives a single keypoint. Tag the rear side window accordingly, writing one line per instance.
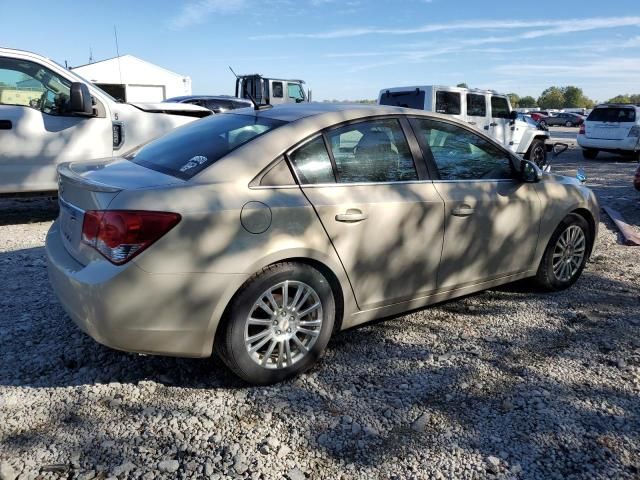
(612, 114)
(312, 163)
(499, 107)
(406, 99)
(448, 102)
(476, 105)
(188, 150)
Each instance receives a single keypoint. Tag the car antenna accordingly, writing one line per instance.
(256, 105)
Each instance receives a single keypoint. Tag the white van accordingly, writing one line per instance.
(50, 115)
(613, 128)
(485, 110)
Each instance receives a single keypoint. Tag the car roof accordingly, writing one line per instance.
(335, 112)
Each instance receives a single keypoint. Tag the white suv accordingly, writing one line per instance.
(611, 128)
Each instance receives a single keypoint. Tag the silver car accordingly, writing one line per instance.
(258, 234)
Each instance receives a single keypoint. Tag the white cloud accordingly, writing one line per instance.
(196, 12)
(537, 28)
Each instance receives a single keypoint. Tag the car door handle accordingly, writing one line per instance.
(463, 211)
(6, 125)
(486, 127)
(472, 123)
(494, 124)
(352, 215)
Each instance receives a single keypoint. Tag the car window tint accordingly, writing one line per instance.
(614, 114)
(373, 151)
(312, 163)
(187, 150)
(406, 99)
(462, 155)
(277, 89)
(448, 102)
(476, 105)
(499, 107)
(277, 175)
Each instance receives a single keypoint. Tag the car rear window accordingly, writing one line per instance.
(406, 99)
(188, 150)
(612, 114)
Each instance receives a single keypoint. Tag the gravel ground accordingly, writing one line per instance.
(509, 383)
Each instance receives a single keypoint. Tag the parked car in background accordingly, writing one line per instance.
(215, 103)
(49, 114)
(562, 119)
(257, 234)
(271, 91)
(486, 110)
(539, 115)
(636, 179)
(613, 128)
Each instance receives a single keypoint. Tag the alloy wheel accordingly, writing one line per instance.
(538, 157)
(568, 253)
(283, 324)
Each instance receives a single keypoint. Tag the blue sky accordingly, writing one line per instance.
(351, 49)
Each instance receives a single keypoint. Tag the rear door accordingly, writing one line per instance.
(383, 216)
(610, 123)
(491, 218)
(477, 112)
(37, 132)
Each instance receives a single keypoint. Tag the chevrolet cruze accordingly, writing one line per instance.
(258, 234)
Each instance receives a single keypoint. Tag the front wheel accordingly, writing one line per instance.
(566, 254)
(278, 324)
(568, 124)
(542, 123)
(589, 154)
(538, 153)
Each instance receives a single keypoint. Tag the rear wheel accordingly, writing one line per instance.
(568, 124)
(542, 123)
(565, 255)
(278, 325)
(589, 153)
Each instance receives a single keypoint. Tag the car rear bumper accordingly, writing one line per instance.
(127, 308)
(629, 144)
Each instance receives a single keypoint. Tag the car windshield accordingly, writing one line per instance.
(188, 150)
(613, 114)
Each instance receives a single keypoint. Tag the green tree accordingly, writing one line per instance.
(575, 98)
(624, 99)
(462, 85)
(514, 99)
(552, 97)
(527, 102)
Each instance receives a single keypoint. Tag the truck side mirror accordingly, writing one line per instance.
(80, 101)
(513, 115)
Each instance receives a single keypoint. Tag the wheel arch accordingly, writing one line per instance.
(586, 214)
(542, 138)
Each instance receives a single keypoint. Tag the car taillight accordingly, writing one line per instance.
(120, 235)
(582, 129)
(635, 131)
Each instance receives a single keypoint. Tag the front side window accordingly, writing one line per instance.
(448, 102)
(476, 105)
(499, 107)
(295, 92)
(29, 84)
(373, 151)
(460, 154)
(188, 150)
(312, 163)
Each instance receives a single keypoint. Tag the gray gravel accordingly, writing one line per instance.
(509, 383)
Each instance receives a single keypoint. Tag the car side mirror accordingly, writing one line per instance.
(513, 115)
(529, 172)
(80, 101)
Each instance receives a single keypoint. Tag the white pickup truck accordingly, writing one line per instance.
(485, 110)
(50, 115)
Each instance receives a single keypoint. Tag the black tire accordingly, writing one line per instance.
(542, 123)
(589, 153)
(568, 124)
(537, 153)
(546, 277)
(230, 338)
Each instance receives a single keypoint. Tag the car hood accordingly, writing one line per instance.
(173, 108)
(554, 177)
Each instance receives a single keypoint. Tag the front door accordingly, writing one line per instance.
(384, 218)
(491, 218)
(37, 132)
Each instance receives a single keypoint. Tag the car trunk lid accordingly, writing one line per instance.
(84, 186)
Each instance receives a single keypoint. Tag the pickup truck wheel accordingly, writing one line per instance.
(566, 254)
(278, 324)
(589, 153)
(538, 153)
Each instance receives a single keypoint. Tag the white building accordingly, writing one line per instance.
(132, 79)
